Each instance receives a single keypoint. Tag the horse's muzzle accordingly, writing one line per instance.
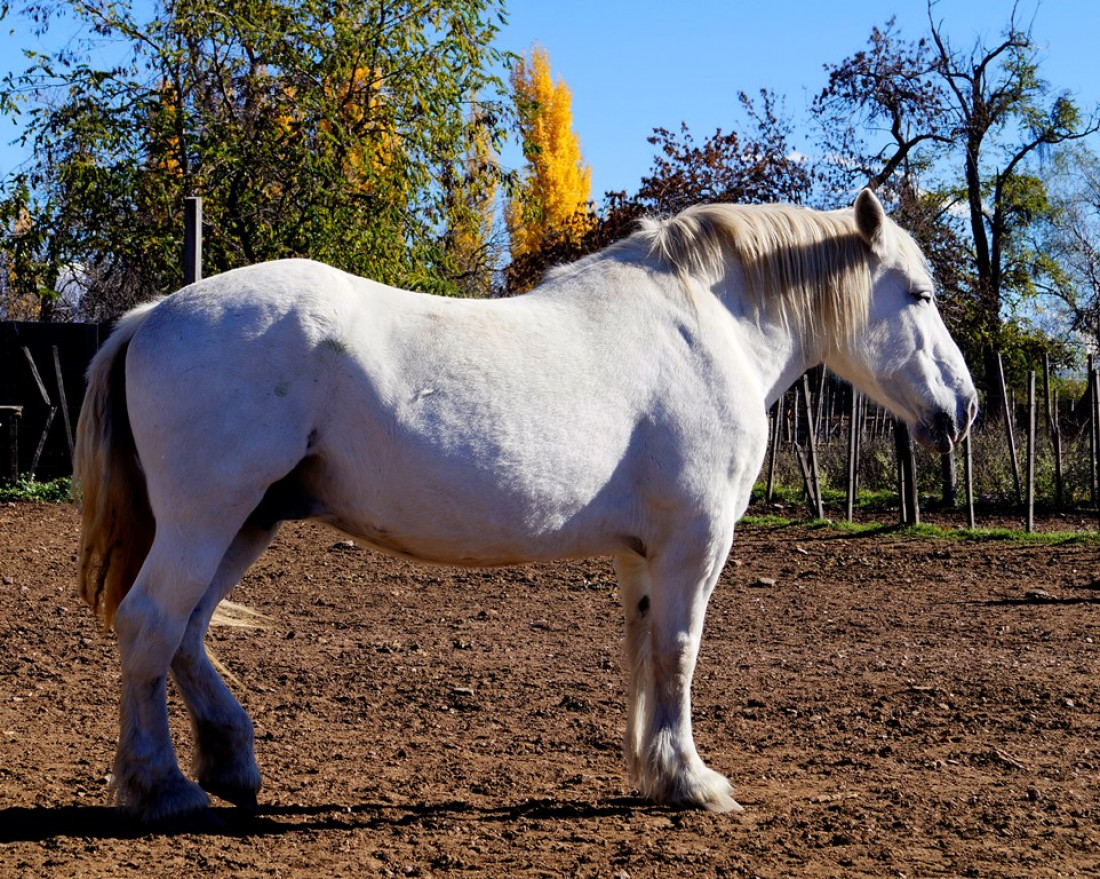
(943, 432)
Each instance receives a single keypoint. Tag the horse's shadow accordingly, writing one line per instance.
(39, 823)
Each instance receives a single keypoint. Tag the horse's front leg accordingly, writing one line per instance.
(664, 628)
(224, 757)
(632, 572)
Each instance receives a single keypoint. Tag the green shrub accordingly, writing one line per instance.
(30, 489)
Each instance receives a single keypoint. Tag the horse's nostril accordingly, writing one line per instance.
(944, 425)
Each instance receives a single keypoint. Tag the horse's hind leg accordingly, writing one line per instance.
(668, 767)
(224, 761)
(151, 622)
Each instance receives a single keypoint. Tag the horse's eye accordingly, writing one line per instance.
(921, 294)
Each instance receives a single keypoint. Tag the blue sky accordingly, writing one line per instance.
(633, 66)
(638, 65)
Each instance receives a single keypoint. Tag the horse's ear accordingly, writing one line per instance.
(870, 217)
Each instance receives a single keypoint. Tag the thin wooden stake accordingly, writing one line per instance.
(853, 452)
(1053, 431)
(775, 415)
(1010, 434)
(907, 474)
(1056, 440)
(1030, 523)
(1091, 390)
(968, 472)
(1095, 376)
(812, 445)
(64, 402)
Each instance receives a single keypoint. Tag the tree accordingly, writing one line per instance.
(552, 197)
(993, 90)
(733, 167)
(890, 92)
(473, 247)
(752, 166)
(1070, 241)
(309, 128)
(986, 112)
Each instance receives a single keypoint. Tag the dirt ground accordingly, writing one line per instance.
(885, 707)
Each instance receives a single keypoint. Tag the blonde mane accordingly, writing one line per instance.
(808, 269)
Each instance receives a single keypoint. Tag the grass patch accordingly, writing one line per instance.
(835, 499)
(935, 532)
(28, 489)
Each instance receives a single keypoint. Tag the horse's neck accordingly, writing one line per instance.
(780, 355)
(784, 361)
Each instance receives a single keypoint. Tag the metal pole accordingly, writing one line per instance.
(192, 240)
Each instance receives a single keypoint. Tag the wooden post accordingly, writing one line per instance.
(1090, 391)
(968, 472)
(775, 416)
(903, 494)
(1095, 418)
(192, 240)
(811, 440)
(1030, 521)
(907, 474)
(1010, 434)
(45, 399)
(12, 414)
(853, 452)
(819, 408)
(949, 480)
(1054, 435)
(794, 418)
(64, 401)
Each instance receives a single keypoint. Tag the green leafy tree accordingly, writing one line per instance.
(309, 128)
(985, 114)
(1070, 241)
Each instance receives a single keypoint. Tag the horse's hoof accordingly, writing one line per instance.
(201, 821)
(241, 797)
(714, 793)
(164, 804)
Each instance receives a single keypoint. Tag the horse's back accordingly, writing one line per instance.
(452, 430)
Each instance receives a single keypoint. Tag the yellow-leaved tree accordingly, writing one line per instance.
(552, 198)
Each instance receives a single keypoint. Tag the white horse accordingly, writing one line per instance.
(619, 409)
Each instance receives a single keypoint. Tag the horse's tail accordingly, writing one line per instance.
(118, 525)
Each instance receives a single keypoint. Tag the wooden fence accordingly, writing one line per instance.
(821, 411)
(42, 369)
(41, 389)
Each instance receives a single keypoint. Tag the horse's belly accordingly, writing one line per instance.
(480, 525)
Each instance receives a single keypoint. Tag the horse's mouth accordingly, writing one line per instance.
(941, 433)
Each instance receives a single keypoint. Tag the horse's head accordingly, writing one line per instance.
(904, 358)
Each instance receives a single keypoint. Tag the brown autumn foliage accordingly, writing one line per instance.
(757, 166)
